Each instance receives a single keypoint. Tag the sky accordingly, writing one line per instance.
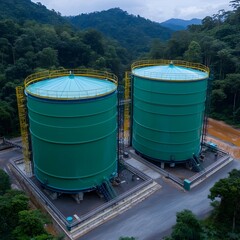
(155, 10)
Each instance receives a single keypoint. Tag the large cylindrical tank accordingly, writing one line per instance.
(168, 109)
(73, 127)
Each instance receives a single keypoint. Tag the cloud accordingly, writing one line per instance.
(154, 10)
(207, 9)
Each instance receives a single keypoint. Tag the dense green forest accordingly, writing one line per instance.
(29, 46)
(180, 24)
(216, 44)
(135, 33)
(18, 220)
(22, 10)
(33, 38)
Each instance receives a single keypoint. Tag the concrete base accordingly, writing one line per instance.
(172, 165)
(114, 210)
(52, 195)
(78, 197)
(162, 165)
(143, 168)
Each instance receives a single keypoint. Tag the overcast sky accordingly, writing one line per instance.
(155, 10)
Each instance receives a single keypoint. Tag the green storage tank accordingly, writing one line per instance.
(168, 109)
(73, 127)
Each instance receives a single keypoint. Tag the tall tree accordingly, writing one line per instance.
(187, 227)
(157, 50)
(228, 191)
(95, 40)
(6, 118)
(206, 43)
(233, 89)
(193, 54)
(224, 55)
(4, 182)
(30, 225)
(11, 203)
(47, 58)
(235, 4)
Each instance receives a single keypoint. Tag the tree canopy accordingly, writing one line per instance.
(18, 221)
(134, 33)
(11, 203)
(36, 39)
(4, 182)
(187, 227)
(27, 47)
(228, 191)
(22, 10)
(30, 224)
(215, 44)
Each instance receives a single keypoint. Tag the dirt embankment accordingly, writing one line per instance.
(225, 136)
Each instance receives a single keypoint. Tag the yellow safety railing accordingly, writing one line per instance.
(24, 129)
(181, 63)
(53, 94)
(35, 77)
(127, 108)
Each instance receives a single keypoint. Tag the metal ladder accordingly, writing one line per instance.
(22, 114)
(196, 165)
(207, 110)
(127, 119)
(107, 190)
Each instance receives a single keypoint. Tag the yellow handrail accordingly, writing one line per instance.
(181, 63)
(35, 77)
(22, 113)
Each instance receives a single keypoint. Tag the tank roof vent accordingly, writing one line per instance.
(71, 75)
(171, 64)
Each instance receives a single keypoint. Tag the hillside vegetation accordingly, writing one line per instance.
(133, 32)
(27, 46)
(216, 44)
(33, 38)
(180, 24)
(18, 219)
(21, 10)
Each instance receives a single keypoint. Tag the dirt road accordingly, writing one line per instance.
(225, 136)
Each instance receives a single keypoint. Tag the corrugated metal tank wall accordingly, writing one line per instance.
(168, 111)
(74, 141)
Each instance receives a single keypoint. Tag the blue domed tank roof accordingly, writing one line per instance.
(170, 73)
(71, 87)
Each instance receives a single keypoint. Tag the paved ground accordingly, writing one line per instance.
(69, 207)
(143, 168)
(6, 156)
(152, 219)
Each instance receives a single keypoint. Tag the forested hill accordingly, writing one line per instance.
(22, 10)
(180, 24)
(133, 32)
(214, 43)
(31, 46)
